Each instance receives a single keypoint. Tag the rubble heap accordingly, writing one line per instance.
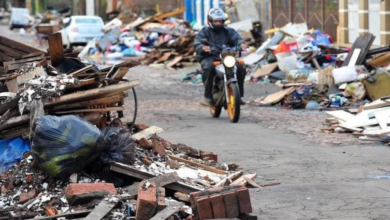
(160, 40)
(68, 154)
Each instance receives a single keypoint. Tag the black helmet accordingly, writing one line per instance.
(216, 14)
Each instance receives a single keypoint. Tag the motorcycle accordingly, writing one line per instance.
(226, 93)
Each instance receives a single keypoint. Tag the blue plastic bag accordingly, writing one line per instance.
(11, 152)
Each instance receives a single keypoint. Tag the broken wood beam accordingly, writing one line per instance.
(147, 133)
(82, 70)
(18, 46)
(160, 181)
(15, 121)
(229, 178)
(56, 49)
(135, 173)
(101, 210)
(168, 211)
(106, 100)
(108, 109)
(203, 166)
(92, 93)
(77, 213)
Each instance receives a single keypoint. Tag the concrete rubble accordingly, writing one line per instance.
(137, 174)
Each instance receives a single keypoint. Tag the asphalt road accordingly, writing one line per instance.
(318, 180)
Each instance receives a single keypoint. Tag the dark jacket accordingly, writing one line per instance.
(225, 37)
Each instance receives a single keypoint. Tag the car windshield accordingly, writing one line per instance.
(87, 21)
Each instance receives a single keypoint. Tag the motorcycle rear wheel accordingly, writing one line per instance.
(234, 106)
(215, 111)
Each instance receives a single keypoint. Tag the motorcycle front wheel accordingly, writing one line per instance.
(233, 107)
(215, 111)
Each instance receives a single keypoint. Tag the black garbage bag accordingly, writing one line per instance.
(65, 145)
(120, 147)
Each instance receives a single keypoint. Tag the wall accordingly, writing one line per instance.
(318, 14)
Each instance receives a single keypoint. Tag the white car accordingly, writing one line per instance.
(79, 30)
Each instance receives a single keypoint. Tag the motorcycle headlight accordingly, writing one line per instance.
(229, 61)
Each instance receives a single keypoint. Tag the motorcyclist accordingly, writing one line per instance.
(218, 34)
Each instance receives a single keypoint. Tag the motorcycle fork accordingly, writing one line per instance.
(226, 84)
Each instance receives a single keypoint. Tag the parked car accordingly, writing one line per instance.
(19, 18)
(79, 30)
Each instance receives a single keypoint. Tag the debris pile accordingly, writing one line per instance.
(67, 154)
(62, 86)
(158, 39)
(164, 180)
(315, 74)
(369, 122)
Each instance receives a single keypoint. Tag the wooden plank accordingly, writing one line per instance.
(160, 181)
(278, 96)
(35, 54)
(106, 100)
(265, 70)
(133, 172)
(4, 57)
(342, 115)
(56, 50)
(15, 121)
(251, 182)
(92, 93)
(77, 213)
(101, 210)
(11, 52)
(170, 14)
(84, 83)
(120, 73)
(15, 132)
(19, 46)
(168, 211)
(109, 109)
(203, 166)
(176, 60)
(147, 133)
(229, 178)
(82, 70)
(383, 117)
(13, 65)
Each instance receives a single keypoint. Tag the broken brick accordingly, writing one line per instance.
(147, 201)
(203, 208)
(80, 193)
(218, 206)
(158, 148)
(6, 187)
(30, 179)
(209, 156)
(146, 161)
(173, 164)
(143, 143)
(244, 201)
(231, 204)
(241, 181)
(24, 197)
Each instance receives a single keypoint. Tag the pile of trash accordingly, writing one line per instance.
(160, 39)
(75, 170)
(65, 153)
(312, 72)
